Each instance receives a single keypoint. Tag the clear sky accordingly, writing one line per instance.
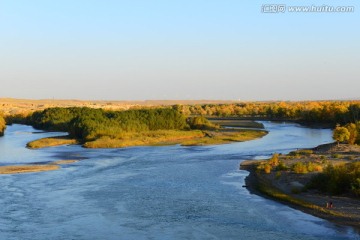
(177, 49)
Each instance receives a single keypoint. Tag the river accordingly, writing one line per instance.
(169, 192)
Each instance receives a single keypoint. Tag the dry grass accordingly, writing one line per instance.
(27, 169)
(224, 137)
(63, 162)
(169, 137)
(51, 142)
(150, 138)
(236, 123)
(11, 106)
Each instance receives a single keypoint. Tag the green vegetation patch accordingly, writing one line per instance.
(338, 179)
(51, 142)
(224, 137)
(98, 128)
(237, 123)
(160, 137)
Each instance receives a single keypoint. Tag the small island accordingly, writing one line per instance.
(99, 128)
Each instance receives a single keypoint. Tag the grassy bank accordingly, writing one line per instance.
(233, 122)
(51, 142)
(157, 138)
(147, 138)
(225, 136)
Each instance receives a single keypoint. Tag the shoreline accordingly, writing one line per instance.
(157, 138)
(345, 212)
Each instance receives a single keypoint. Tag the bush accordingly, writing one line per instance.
(299, 167)
(201, 123)
(274, 160)
(267, 168)
(281, 166)
(294, 154)
(302, 168)
(343, 178)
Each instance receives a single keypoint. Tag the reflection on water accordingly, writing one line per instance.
(170, 192)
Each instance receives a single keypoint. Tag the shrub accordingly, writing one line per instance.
(355, 187)
(299, 167)
(274, 160)
(281, 166)
(201, 123)
(293, 154)
(267, 168)
(339, 179)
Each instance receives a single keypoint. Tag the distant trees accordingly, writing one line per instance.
(341, 112)
(2, 125)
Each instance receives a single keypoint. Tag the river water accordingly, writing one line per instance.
(169, 192)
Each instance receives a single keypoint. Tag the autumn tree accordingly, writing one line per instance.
(352, 128)
(341, 134)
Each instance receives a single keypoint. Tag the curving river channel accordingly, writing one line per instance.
(169, 192)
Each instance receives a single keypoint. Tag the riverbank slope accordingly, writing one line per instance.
(290, 188)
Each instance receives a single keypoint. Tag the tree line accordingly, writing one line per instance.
(89, 124)
(333, 112)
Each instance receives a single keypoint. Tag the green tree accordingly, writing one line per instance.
(341, 134)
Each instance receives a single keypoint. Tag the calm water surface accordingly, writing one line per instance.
(170, 192)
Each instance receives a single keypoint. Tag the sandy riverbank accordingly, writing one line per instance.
(16, 169)
(346, 208)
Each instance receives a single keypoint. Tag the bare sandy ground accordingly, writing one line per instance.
(20, 106)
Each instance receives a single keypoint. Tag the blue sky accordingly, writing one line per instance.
(157, 49)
